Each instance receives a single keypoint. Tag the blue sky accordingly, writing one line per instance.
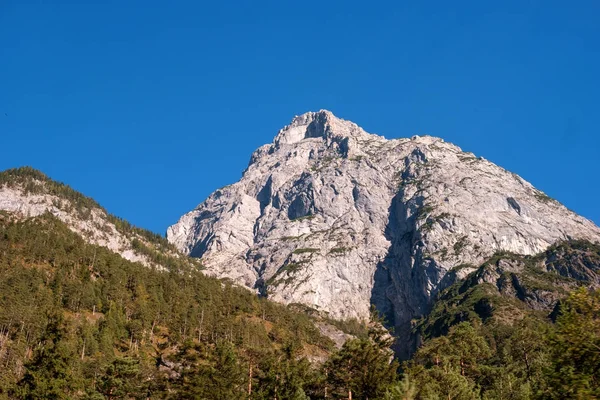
(149, 106)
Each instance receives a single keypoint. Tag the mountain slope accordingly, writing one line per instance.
(77, 320)
(336, 218)
(508, 287)
(85, 295)
(72, 312)
(26, 192)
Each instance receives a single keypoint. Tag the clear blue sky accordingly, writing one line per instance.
(149, 106)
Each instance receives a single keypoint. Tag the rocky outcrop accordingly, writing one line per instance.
(94, 227)
(338, 219)
(508, 287)
(27, 193)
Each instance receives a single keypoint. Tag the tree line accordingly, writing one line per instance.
(78, 321)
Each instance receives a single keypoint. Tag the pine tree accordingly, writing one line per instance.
(360, 370)
(404, 389)
(575, 349)
(48, 374)
(284, 375)
(212, 374)
(122, 379)
(449, 366)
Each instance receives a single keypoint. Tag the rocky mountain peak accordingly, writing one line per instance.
(321, 116)
(323, 132)
(321, 124)
(338, 219)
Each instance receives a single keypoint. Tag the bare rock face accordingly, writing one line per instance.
(27, 193)
(338, 219)
(94, 229)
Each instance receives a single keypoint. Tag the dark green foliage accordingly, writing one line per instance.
(460, 245)
(362, 369)
(79, 317)
(339, 250)
(404, 389)
(432, 220)
(451, 365)
(78, 321)
(284, 376)
(290, 269)
(48, 374)
(308, 250)
(33, 181)
(424, 211)
(88, 324)
(462, 350)
(575, 349)
(122, 379)
(473, 362)
(543, 197)
(517, 353)
(576, 259)
(464, 302)
(351, 326)
(531, 359)
(504, 288)
(305, 217)
(211, 375)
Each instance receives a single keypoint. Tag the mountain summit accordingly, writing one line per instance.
(338, 219)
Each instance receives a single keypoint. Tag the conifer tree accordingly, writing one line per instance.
(575, 349)
(122, 379)
(360, 370)
(48, 375)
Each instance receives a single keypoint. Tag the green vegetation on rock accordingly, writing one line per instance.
(305, 250)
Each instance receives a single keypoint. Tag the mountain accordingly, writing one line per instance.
(92, 307)
(27, 193)
(338, 219)
(509, 287)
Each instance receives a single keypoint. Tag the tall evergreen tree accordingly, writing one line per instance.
(122, 380)
(575, 349)
(212, 374)
(48, 374)
(284, 375)
(361, 370)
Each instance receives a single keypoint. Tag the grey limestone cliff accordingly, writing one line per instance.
(28, 193)
(338, 219)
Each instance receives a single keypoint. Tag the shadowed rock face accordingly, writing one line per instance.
(338, 219)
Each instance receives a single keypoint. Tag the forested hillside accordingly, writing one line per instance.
(79, 321)
(28, 192)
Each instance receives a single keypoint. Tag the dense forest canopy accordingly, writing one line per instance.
(79, 321)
